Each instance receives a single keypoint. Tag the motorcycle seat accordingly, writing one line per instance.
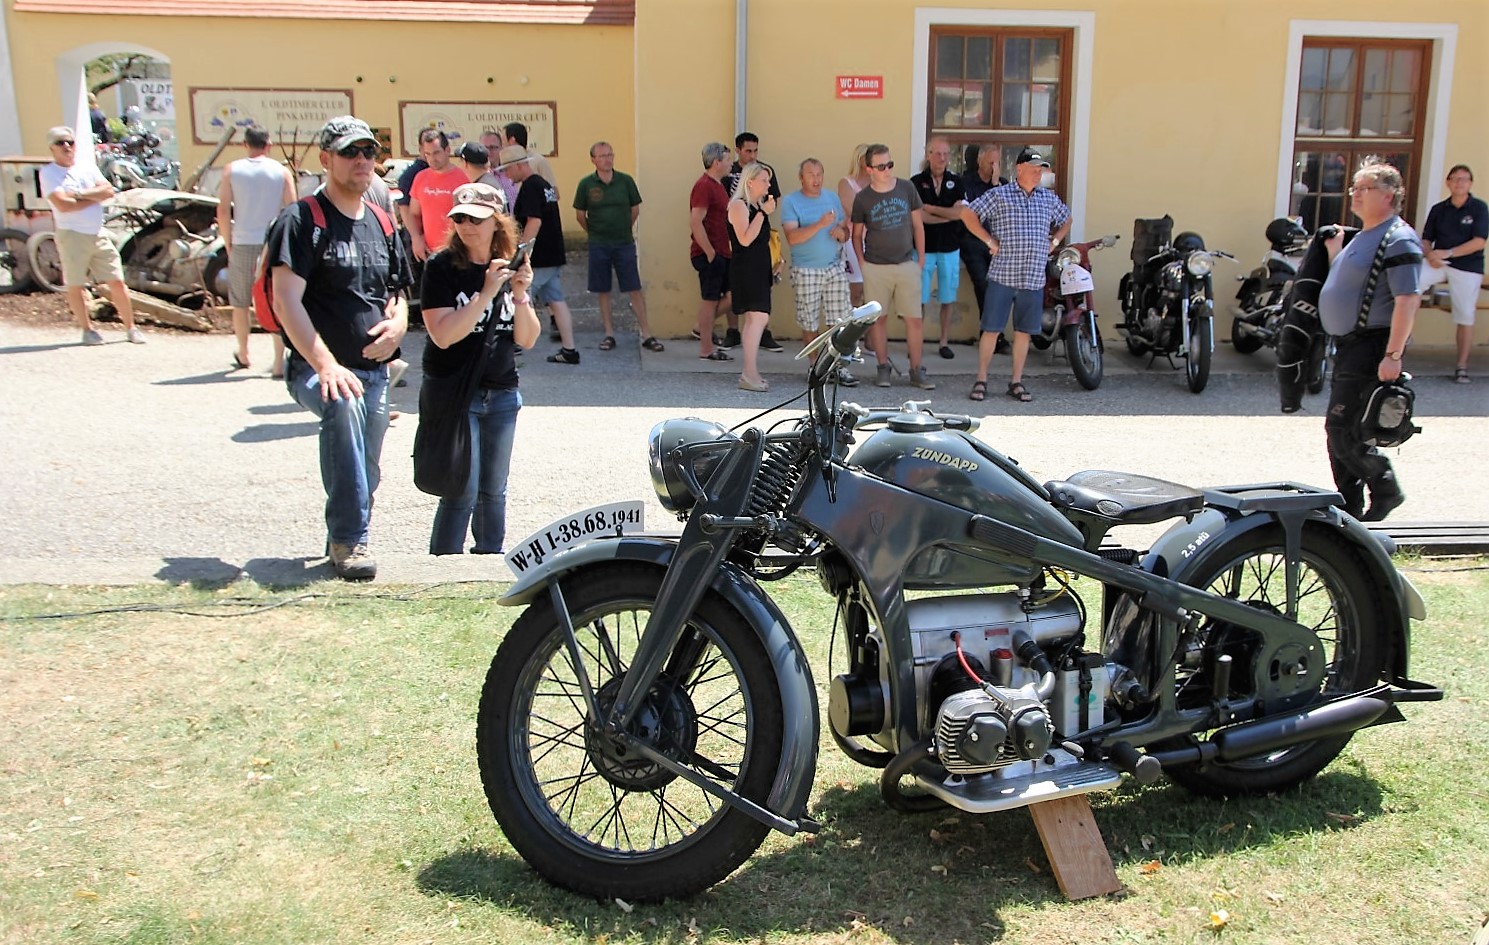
(1124, 498)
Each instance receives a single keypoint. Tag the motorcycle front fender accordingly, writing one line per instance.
(1177, 552)
(793, 784)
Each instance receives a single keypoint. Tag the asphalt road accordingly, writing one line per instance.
(126, 464)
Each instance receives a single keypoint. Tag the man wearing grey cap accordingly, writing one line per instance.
(338, 296)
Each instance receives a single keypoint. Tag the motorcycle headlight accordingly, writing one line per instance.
(1199, 264)
(1068, 256)
(668, 476)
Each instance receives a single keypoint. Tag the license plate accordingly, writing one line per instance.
(614, 519)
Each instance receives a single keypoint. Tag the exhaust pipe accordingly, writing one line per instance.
(1268, 735)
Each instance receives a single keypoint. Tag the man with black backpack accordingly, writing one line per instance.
(1369, 304)
(338, 274)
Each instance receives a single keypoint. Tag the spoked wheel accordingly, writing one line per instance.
(15, 264)
(1320, 354)
(580, 807)
(1083, 348)
(1335, 599)
(46, 261)
(1197, 362)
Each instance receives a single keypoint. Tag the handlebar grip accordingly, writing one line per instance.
(958, 421)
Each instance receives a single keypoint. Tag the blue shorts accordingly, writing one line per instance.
(947, 268)
(1027, 306)
(547, 286)
(620, 258)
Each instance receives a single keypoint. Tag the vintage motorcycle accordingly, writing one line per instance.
(651, 715)
(1069, 310)
(1168, 300)
(137, 161)
(1261, 301)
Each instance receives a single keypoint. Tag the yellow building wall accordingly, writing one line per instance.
(586, 70)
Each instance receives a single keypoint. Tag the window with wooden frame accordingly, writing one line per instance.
(1008, 87)
(1356, 97)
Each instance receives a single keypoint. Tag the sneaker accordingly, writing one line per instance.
(396, 370)
(769, 343)
(353, 562)
(883, 376)
(91, 337)
(919, 378)
(845, 379)
(135, 336)
(731, 339)
(564, 356)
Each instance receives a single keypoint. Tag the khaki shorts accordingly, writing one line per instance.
(1463, 289)
(242, 270)
(88, 257)
(896, 288)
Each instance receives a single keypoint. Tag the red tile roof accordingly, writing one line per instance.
(595, 12)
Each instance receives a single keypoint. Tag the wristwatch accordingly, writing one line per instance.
(1395, 355)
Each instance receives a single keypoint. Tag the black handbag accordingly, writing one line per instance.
(1386, 420)
(442, 446)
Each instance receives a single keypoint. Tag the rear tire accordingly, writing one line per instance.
(1242, 340)
(581, 812)
(1084, 351)
(15, 263)
(46, 261)
(1337, 600)
(1197, 358)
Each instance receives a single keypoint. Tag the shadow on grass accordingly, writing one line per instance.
(212, 574)
(926, 879)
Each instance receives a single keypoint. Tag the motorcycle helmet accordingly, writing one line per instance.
(134, 144)
(1189, 241)
(1286, 234)
(152, 141)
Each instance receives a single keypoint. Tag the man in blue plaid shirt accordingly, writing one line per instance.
(1021, 223)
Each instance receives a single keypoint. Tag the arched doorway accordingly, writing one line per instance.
(72, 83)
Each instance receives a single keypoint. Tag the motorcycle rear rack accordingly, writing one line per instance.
(1022, 784)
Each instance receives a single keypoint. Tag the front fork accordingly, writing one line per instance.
(1185, 323)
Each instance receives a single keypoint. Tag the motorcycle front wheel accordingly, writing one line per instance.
(1197, 360)
(1335, 599)
(1083, 348)
(582, 810)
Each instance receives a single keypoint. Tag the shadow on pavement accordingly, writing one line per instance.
(269, 432)
(225, 376)
(262, 410)
(34, 349)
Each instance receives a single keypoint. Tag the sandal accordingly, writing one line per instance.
(979, 390)
(715, 355)
(1019, 392)
(240, 365)
(607, 343)
(564, 356)
(652, 344)
(1460, 376)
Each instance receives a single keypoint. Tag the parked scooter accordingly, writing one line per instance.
(1168, 300)
(1069, 310)
(651, 714)
(1261, 301)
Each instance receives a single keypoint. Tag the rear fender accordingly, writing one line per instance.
(1179, 551)
(793, 784)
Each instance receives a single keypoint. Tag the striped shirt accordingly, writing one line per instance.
(1022, 224)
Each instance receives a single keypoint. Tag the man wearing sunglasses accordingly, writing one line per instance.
(889, 234)
(338, 296)
(76, 193)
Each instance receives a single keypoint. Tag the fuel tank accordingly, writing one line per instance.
(914, 452)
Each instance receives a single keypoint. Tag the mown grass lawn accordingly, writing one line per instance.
(243, 765)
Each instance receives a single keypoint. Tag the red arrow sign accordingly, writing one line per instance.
(860, 86)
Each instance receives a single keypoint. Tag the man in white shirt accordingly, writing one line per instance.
(76, 193)
(253, 191)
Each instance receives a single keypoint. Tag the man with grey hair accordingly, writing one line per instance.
(76, 193)
(816, 229)
(607, 204)
(708, 214)
(338, 293)
(253, 191)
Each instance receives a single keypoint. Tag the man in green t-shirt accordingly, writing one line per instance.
(607, 204)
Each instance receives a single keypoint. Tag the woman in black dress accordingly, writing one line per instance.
(750, 266)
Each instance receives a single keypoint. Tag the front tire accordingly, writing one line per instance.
(581, 812)
(1335, 599)
(1197, 360)
(1083, 348)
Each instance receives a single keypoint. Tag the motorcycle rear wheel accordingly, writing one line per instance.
(46, 261)
(1337, 600)
(15, 263)
(1197, 360)
(1242, 340)
(1084, 351)
(573, 805)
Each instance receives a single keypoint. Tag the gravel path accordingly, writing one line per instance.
(127, 464)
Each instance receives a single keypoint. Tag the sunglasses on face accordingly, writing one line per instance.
(353, 151)
(68, 143)
(886, 166)
(466, 218)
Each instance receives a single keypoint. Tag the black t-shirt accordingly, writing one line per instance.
(940, 237)
(347, 289)
(449, 286)
(731, 180)
(1449, 226)
(538, 198)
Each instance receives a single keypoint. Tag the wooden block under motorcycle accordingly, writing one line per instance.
(1073, 844)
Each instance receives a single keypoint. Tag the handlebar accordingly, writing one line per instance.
(860, 416)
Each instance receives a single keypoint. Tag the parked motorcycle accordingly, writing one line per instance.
(1168, 300)
(137, 161)
(1261, 301)
(1069, 310)
(651, 714)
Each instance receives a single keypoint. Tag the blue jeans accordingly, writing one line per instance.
(482, 508)
(352, 434)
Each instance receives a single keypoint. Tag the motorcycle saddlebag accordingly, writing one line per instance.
(1150, 236)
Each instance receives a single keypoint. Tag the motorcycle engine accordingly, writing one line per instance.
(981, 729)
(1171, 277)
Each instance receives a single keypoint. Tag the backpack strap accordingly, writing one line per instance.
(1377, 266)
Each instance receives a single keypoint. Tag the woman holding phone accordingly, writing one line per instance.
(750, 266)
(477, 310)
